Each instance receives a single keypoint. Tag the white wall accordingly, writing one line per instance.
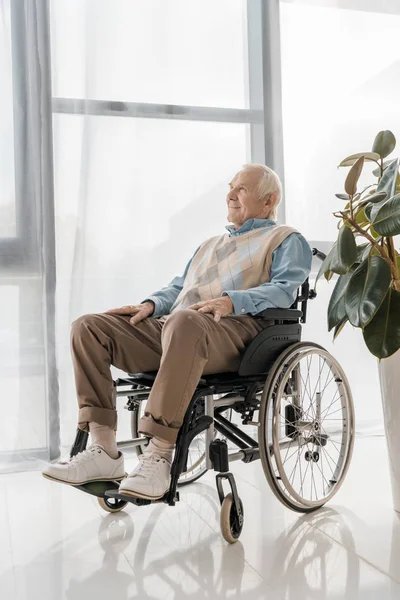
(340, 86)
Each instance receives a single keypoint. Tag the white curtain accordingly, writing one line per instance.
(27, 266)
(135, 197)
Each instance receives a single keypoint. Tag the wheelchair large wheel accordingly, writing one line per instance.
(196, 466)
(306, 427)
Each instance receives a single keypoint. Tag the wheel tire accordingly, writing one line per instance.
(111, 506)
(264, 451)
(229, 522)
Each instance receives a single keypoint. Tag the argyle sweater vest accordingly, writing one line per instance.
(227, 262)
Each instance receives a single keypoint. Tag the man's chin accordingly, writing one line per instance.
(234, 225)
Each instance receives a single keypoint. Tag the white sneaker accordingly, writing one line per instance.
(149, 479)
(93, 464)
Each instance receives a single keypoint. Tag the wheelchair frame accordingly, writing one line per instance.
(239, 391)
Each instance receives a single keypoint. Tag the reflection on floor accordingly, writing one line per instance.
(56, 543)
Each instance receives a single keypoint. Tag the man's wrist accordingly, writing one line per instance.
(150, 302)
(226, 297)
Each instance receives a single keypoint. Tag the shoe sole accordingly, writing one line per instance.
(139, 495)
(83, 482)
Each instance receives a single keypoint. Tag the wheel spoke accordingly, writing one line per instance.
(316, 463)
(333, 401)
(312, 384)
(335, 411)
(328, 454)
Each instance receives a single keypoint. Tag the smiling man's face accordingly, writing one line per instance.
(243, 200)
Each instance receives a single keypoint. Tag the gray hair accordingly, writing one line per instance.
(269, 183)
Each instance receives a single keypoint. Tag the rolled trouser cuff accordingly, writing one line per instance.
(149, 427)
(103, 416)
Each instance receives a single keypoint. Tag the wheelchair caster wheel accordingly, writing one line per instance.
(111, 505)
(231, 523)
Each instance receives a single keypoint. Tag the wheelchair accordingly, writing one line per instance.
(296, 402)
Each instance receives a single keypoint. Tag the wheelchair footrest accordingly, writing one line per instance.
(138, 501)
(98, 488)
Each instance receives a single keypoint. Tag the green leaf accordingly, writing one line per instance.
(374, 198)
(377, 171)
(375, 234)
(388, 181)
(384, 143)
(342, 196)
(325, 266)
(368, 187)
(387, 184)
(361, 250)
(382, 334)
(350, 160)
(346, 251)
(360, 216)
(350, 185)
(336, 307)
(366, 290)
(339, 327)
(364, 253)
(328, 275)
(387, 220)
(367, 211)
(368, 250)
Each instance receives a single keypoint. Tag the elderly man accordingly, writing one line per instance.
(198, 324)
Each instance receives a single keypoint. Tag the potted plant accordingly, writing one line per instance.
(367, 291)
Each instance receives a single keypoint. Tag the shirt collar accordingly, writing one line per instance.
(250, 224)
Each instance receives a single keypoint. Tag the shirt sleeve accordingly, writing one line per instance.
(164, 298)
(291, 265)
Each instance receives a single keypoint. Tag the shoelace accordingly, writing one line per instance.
(82, 456)
(148, 464)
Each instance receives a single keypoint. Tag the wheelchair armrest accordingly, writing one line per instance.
(286, 314)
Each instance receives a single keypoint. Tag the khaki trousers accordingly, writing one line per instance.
(186, 346)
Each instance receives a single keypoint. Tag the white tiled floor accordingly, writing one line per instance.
(56, 543)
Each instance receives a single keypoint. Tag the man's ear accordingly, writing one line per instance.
(271, 199)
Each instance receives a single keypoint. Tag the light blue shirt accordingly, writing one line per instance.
(291, 265)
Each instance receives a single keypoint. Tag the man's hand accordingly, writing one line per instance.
(219, 307)
(141, 311)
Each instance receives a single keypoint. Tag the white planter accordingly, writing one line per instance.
(389, 375)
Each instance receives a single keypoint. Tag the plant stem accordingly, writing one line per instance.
(392, 264)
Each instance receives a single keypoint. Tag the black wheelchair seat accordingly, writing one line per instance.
(263, 350)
